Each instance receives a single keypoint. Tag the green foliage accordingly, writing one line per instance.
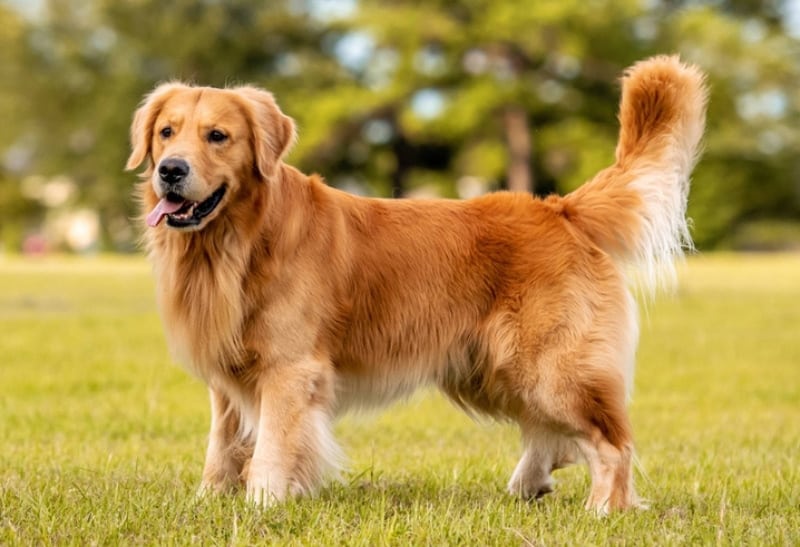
(103, 438)
(575, 150)
(764, 235)
(485, 159)
(437, 75)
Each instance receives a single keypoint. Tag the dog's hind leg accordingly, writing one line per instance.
(577, 388)
(591, 402)
(544, 450)
(610, 468)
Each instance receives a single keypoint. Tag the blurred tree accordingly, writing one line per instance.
(11, 33)
(461, 79)
(401, 96)
(482, 82)
(751, 169)
(17, 210)
(88, 64)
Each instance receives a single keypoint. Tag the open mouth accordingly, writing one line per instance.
(183, 213)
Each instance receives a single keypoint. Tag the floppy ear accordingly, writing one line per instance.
(143, 121)
(273, 132)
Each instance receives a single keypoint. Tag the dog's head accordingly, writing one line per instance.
(203, 145)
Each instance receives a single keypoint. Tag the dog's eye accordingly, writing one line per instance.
(166, 132)
(217, 136)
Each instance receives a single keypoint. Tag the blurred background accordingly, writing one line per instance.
(445, 98)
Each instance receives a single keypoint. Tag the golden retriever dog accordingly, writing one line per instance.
(295, 301)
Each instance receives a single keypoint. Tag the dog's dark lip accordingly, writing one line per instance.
(174, 198)
(192, 213)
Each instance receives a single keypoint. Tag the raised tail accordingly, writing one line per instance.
(636, 209)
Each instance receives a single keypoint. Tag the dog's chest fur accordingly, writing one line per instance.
(200, 299)
(221, 318)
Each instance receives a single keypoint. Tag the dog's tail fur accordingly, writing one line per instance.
(636, 209)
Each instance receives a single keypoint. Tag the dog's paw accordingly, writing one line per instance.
(204, 491)
(530, 488)
(265, 485)
(262, 497)
(604, 506)
(600, 508)
(210, 486)
(641, 504)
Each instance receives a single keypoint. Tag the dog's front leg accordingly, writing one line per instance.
(294, 447)
(224, 457)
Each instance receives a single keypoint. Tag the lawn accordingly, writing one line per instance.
(102, 437)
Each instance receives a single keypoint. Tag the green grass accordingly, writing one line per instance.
(102, 438)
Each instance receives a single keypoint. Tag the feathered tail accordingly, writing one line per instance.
(636, 209)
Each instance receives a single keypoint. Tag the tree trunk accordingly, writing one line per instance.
(404, 161)
(518, 139)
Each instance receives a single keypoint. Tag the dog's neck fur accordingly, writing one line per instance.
(186, 264)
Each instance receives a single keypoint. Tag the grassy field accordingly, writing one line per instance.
(102, 438)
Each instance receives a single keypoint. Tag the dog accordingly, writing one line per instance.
(295, 301)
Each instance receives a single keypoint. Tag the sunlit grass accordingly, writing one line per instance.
(102, 438)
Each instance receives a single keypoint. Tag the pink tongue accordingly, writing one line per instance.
(163, 208)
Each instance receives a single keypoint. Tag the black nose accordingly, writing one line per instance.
(173, 170)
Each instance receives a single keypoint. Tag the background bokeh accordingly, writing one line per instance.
(442, 97)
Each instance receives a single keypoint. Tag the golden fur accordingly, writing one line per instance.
(294, 301)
